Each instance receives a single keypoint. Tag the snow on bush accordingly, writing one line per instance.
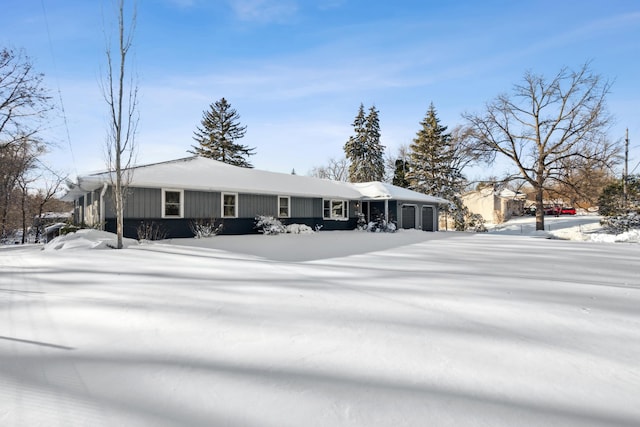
(269, 225)
(204, 227)
(621, 223)
(299, 229)
(381, 226)
(86, 239)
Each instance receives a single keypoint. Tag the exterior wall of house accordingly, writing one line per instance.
(398, 211)
(200, 204)
(411, 214)
(512, 207)
(86, 209)
(302, 207)
(144, 206)
(492, 207)
(482, 204)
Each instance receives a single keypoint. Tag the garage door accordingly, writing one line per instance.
(408, 217)
(427, 218)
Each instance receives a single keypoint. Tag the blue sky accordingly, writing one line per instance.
(296, 71)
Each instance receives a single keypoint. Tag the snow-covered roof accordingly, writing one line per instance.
(377, 190)
(199, 173)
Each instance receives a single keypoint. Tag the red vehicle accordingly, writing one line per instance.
(568, 211)
(552, 210)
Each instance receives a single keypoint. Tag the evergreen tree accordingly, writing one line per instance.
(432, 160)
(374, 150)
(400, 173)
(355, 146)
(611, 200)
(363, 150)
(218, 133)
(434, 170)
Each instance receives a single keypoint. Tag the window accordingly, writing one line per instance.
(284, 204)
(172, 206)
(229, 205)
(335, 209)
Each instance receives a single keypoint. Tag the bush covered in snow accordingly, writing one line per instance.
(204, 227)
(621, 223)
(381, 225)
(475, 222)
(269, 225)
(299, 229)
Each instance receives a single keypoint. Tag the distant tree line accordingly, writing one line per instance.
(27, 185)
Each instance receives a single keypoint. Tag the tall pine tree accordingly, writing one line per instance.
(432, 159)
(355, 146)
(433, 169)
(363, 150)
(218, 133)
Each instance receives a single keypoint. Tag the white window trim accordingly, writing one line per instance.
(235, 209)
(345, 209)
(288, 215)
(175, 190)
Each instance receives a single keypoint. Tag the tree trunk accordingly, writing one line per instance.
(120, 213)
(24, 215)
(539, 208)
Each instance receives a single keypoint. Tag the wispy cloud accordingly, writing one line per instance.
(264, 11)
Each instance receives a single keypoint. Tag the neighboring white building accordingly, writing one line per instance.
(495, 206)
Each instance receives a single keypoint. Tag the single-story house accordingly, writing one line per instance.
(175, 193)
(495, 206)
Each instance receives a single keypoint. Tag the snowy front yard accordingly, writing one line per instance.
(430, 329)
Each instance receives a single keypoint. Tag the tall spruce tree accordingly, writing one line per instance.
(432, 158)
(374, 153)
(434, 167)
(363, 150)
(355, 146)
(218, 133)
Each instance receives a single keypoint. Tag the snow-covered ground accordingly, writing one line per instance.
(328, 329)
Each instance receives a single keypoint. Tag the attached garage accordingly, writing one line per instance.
(408, 209)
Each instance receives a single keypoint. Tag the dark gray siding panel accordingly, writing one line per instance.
(201, 204)
(140, 203)
(250, 205)
(144, 203)
(109, 210)
(306, 208)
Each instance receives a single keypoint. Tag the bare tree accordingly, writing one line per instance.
(545, 123)
(24, 103)
(123, 118)
(335, 170)
(17, 164)
(23, 99)
(51, 184)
